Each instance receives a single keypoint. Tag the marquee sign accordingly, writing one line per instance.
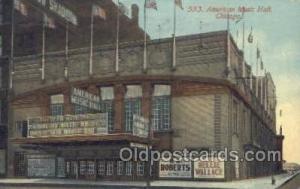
(68, 125)
(175, 169)
(211, 169)
(85, 99)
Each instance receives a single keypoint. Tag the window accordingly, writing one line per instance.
(235, 117)
(80, 109)
(110, 168)
(120, 167)
(133, 105)
(82, 168)
(21, 128)
(0, 67)
(1, 17)
(90, 168)
(101, 168)
(161, 105)
(19, 162)
(107, 105)
(128, 168)
(57, 105)
(140, 168)
(1, 43)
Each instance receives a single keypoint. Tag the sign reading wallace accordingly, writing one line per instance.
(213, 168)
(85, 99)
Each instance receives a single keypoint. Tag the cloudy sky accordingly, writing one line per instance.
(276, 31)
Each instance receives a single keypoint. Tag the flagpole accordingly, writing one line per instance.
(145, 39)
(228, 43)
(257, 69)
(244, 66)
(91, 43)
(66, 50)
(174, 39)
(43, 46)
(11, 65)
(117, 40)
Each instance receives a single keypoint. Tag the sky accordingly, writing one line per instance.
(276, 32)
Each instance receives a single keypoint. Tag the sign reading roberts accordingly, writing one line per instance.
(211, 169)
(175, 169)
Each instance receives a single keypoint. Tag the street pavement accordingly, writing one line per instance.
(289, 181)
(294, 183)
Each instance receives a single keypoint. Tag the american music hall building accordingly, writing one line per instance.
(199, 104)
(198, 100)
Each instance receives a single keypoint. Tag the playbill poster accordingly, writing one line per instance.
(104, 90)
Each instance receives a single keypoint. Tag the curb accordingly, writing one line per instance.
(288, 180)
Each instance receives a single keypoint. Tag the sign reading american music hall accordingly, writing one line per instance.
(85, 99)
(68, 125)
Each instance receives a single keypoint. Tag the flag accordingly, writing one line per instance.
(250, 37)
(123, 9)
(178, 3)
(257, 53)
(49, 22)
(240, 18)
(21, 7)
(151, 4)
(98, 11)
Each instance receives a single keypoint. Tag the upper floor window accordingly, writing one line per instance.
(133, 104)
(57, 105)
(107, 105)
(161, 105)
(235, 117)
(1, 76)
(1, 43)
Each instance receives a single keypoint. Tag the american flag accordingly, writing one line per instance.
(151, 4)
(98, 11)
(21, 7)
(178, 3)
(49, 22)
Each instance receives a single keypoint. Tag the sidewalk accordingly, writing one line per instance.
(263, 183)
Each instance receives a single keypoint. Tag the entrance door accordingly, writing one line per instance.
(20, 164)
(72, 169)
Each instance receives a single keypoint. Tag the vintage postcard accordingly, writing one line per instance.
(149, 94)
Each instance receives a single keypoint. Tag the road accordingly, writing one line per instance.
(292, 184)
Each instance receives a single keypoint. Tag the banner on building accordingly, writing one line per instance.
(213, 168)
(140, 126)
(68, 125)
(85, 99)
(40, 166)
(176, 169)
